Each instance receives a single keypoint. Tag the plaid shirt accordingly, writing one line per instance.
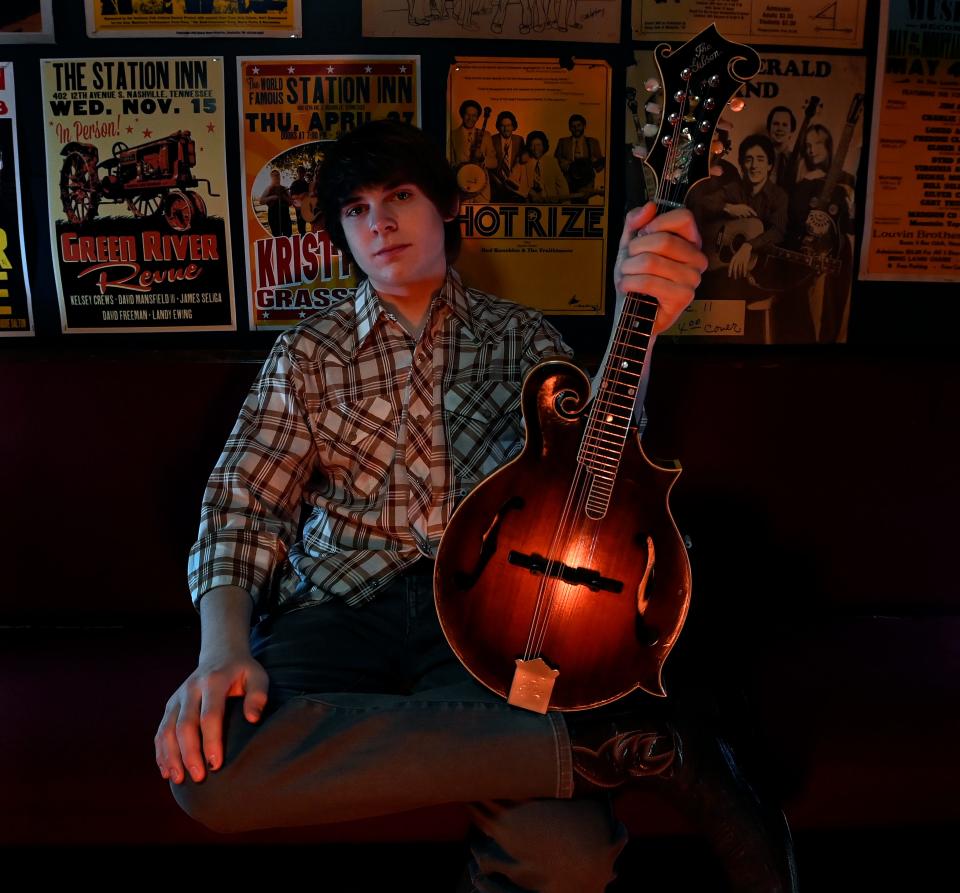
(323, 430)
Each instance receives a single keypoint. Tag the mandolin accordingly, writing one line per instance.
(561, 581)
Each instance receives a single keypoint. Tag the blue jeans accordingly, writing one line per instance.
(370, 712)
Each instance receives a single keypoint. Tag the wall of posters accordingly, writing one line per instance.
(595, 21)
(529, 141)
(15, 312)
(137, 193)
(777, 215)
(26, 21)
(818, 23)
(290, 108)
(913, 197)
(193, 18)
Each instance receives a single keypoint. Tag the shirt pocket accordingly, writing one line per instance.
(483, 426)
(356, 442)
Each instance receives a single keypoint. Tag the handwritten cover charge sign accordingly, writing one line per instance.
(137, 193)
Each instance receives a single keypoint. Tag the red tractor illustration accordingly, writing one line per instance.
(152, 178)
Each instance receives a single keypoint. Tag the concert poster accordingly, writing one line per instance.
(912, 227)
(778, 214)
(530, 143)
(593, 21)
(137, 193)
(16, 317)
(816, 23)
(194, 18)
(291, 108)
(26, 21)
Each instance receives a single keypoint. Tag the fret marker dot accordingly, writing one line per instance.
(609, 418)
(631, 391)
(624, 365)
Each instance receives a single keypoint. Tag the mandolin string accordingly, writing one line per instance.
(547, 593)
(581, 486)
(541, 614)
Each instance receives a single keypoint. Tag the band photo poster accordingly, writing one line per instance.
(16, 316)
(837, 24)
(529, 141)
(912, 227)
(194, 18)
(137, 193)
(291, 108)
(778, 211)
(26, 21)
(592, 21)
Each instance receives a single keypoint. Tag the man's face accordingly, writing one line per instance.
(576, 128)
(816, 148)
(275, 178)
(780, 128)
(395, 235)
(536, 147)
(470, 117)
(756, 165)
(505, 127)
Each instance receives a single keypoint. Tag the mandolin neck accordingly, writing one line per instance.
(617, 392)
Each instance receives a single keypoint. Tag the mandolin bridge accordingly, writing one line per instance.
(576, 576)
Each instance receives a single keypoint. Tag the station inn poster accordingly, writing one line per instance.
(530, 143)
(291, 107)
(912, 227)
(15, 313)
(194, 18)
(137, 193)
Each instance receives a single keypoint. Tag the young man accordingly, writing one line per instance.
(366, 425)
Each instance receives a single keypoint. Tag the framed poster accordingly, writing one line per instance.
(291, 107)
(137, 193)
(529, 141)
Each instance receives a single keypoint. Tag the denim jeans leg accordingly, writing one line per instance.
(325, 753)
(549, 845)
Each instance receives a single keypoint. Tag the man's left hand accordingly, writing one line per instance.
(660, 256)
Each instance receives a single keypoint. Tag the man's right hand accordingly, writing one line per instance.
(190, 736)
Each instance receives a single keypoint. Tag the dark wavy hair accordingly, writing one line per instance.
(381, 153)
(758, 139)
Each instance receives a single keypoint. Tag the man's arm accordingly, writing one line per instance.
(190, 736)
(249, 517)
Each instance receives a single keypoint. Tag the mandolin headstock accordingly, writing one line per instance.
(699, 79)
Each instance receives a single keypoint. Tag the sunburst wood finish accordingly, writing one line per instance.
(567, 559)
(592, 637)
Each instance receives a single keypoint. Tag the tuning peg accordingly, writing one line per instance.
(654, 108)
(651, 85)
(736, 104)
(639, 152)
(650, 129)
(725, 124)
(716, 148)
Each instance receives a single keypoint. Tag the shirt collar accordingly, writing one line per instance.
(368, 309)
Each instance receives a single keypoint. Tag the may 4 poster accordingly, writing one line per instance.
(137, 193)
(291, 108)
